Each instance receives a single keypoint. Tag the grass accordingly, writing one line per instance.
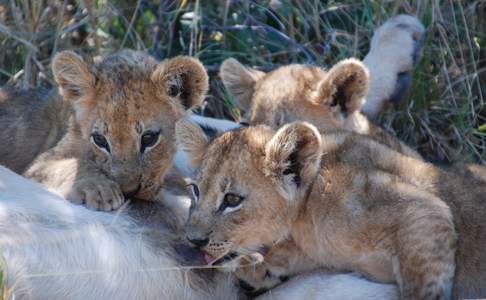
(444, 115)
(3, 279)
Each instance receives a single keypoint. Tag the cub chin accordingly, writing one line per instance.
(346, 202)
(115, 137)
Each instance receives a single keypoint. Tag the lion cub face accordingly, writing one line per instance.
(125, 108)
(248, 187)
(327, 99)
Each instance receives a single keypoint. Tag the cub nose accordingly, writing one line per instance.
(198, 242)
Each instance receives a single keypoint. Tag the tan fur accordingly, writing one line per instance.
(327, 99)
(366, 208)
(240, 81)
(288, 94)
(122, 97)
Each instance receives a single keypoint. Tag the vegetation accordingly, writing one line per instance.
(3, 285)
(444, 116)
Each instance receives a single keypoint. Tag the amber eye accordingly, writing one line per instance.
(100, 141)
(230, 201)
(149, 139)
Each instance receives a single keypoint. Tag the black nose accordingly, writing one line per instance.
(198, 242)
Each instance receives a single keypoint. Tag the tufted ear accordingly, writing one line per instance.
(73, 75)
(191, 139)
(292, 158)
(183, 78)
(345, 86)
(240, 81)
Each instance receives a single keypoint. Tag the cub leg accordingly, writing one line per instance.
(423, 255)
(64, 170)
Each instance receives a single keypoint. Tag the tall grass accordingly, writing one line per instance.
(444, 116)
(3, 279)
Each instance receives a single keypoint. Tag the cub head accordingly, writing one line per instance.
(327, 99)
(250, 184)
(125, 109)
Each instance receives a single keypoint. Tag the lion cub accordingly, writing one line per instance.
(334, 98)
(347, 202)
(329, 99)
(115, 136)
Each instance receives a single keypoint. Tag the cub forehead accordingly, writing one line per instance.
(287, 88)
(127, 74)
(231, 144)
(236, 152)
(297, 77)
(127, 63)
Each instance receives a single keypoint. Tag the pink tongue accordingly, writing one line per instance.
(208, 259)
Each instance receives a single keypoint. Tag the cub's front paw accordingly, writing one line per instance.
(97, 193)
(395, 49)
(253, 274)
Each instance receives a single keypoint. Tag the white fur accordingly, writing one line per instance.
(325, 286)
(54, 249)
(181, 159)
(390, 53)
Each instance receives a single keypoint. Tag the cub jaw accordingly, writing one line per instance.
(221, 260)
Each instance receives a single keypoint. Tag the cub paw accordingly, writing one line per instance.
(253, 274)
(401, 40)
(97, 193)
(395, 50)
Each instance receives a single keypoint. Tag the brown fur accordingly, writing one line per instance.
(32, 122)
(327, 99)
(122, 97)
(348, 203)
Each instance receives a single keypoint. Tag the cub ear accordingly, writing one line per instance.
(191, 139)
(240, 81)
(73, 75)
(345, 86)
(292, 158)
(183, 78)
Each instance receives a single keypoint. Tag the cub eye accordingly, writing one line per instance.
(100, 141)
(231, 202)
(149, 139)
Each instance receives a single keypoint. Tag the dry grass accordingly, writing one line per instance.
(444, 116)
